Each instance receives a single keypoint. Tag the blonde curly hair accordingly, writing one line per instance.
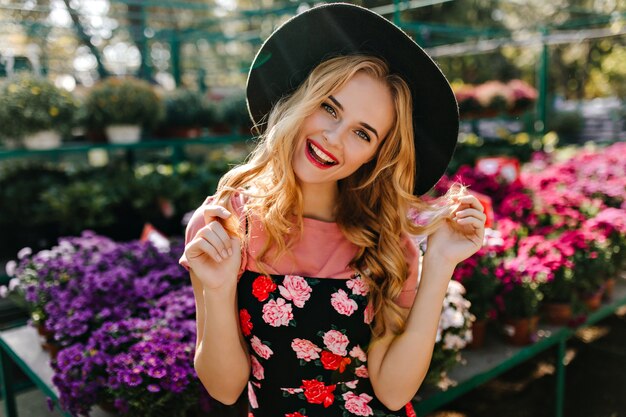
(374, 202)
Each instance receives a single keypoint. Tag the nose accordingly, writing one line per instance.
(333, 134)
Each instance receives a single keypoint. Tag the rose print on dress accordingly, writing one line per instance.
(342, 303)
(296, 414)
(252, 396)
(357, 285)
(277, 313)
(305, 349)
(336, 342)
(362, 372)
(261, 349)
(295, 289)
(357, 404)
(357, 353)
(262, 286)
(333, 362)
(257, 369)
(316, 392)
(246, 324)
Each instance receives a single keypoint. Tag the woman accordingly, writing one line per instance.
(301, 264)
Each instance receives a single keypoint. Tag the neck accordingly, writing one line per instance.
(319, 201)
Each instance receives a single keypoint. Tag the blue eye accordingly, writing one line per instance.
(363, 135)
(329, 109)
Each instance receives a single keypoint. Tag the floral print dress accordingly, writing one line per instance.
(307, 339)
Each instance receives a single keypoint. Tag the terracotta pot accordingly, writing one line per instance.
(593, 301)
(557, 313)
(609, 289)
(479, 329)
(520, 331)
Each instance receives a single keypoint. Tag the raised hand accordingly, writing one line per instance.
(214, 256)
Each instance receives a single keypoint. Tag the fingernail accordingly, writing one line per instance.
(219, 258)
(230, 252)
(224, 253)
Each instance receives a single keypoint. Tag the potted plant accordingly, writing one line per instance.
(453, 334)
(35, 112)
(123, 107)
(184, 114)
(235, 112)
(518, 301)
(477, 275)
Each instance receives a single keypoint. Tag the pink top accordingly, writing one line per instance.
(322, 251)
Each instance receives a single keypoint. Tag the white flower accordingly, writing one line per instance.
(10, 268)
(24, 252)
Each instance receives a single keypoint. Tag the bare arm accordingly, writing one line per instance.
(398, 364)
(390, 357)
(221, 358)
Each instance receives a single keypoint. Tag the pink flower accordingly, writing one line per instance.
(277, 313)
(336, 342)
(357, 404)
(357, 285)
(305, 349)
(368, 314)
(252, 396)
(261, 349)
(358, 353)
(352, 384)
(295, 289)
(257, 369)
(343, 304)
(362, 372)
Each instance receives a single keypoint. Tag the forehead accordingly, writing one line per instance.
(368, 100)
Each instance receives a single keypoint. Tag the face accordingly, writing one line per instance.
(344, 132)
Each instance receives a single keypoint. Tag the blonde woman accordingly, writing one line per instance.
(303, 271)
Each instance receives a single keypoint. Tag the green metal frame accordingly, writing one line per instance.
(558, 338)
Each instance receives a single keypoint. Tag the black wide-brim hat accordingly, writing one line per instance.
(320, 33)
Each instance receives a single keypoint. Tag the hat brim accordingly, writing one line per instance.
(292, 51)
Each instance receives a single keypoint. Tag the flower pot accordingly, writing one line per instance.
(520, 331)
(45, 139)
(479, 329)
(558, 314)
(123, 134)
(593, 301)
(609, 289)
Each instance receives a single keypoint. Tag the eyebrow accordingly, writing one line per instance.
(365, 125)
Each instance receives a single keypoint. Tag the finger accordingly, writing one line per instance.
(471, 213)
(210, 212)
(471, 221)
(214, 240)
(219, 231)
(472, 201)
(199, 247)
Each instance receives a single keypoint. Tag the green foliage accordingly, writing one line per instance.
(234, 110)
(183, 108)
(567, 124)
(123, 101)
(30, 104)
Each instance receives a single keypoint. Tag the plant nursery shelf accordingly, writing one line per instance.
(21, 345)
(175, 143)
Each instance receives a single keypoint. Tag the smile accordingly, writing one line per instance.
(318, 156)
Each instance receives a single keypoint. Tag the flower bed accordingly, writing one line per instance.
(563, 229)
(123, 316)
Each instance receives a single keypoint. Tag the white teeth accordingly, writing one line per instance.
(321, 155)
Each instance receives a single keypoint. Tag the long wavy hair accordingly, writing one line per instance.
(374, 202)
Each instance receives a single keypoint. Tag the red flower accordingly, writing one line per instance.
(332, 361)
(296, 414)
(262, 287)
(410, 412)
(318, 393)
(244, 319)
